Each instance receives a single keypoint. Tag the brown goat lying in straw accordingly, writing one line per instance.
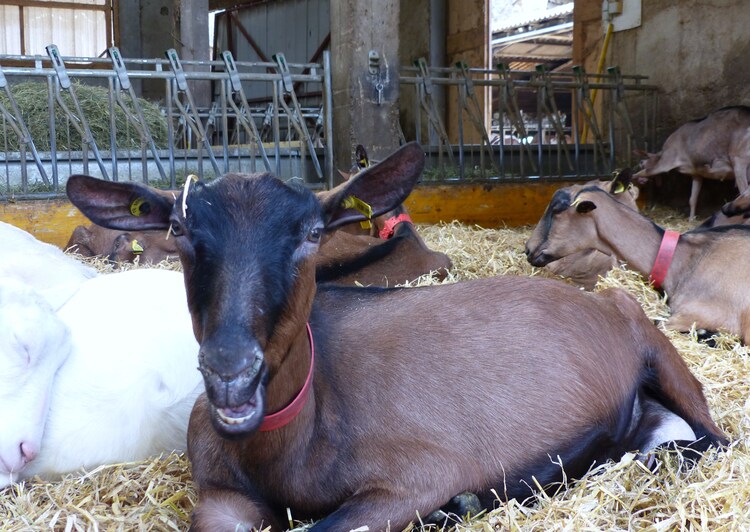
(119, 246)
(361, 447)
(159, 494)
(693, 275)
(587, 266)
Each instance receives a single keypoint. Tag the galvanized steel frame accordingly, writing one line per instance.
(179, 106)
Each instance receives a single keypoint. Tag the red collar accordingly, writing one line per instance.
(664, 258)
(289, 412)
(387, 231)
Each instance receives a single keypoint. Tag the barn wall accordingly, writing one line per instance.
(148, 28)
(694, 51)
(294, 27)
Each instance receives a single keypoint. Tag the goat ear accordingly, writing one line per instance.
(123, 206)
(376, 189)
(621, 180)
(585, 206)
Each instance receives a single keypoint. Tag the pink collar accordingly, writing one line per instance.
(390, 224)
(664, 258)
(285, 416)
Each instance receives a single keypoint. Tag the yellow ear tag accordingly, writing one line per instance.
(137, 248)
(139, 207)
(619, 189)
(352, 202)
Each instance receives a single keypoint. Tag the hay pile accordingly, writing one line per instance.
(32, 100)
(158, 495)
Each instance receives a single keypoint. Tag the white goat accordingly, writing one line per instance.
(111, 377)
(42, 266)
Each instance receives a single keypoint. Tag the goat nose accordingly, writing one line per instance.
(28, 451)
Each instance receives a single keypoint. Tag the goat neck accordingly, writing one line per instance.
(625, 232)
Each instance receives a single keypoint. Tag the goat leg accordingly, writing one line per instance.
(694, 192)
(368, 507)
(221, 510)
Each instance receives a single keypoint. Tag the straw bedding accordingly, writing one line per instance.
(158, 494)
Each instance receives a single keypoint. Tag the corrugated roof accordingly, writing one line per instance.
(534, 18)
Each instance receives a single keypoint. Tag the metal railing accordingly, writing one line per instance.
(544, 124)
(229, 134)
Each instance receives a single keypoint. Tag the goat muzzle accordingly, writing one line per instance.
(237, 401)
(539, 258)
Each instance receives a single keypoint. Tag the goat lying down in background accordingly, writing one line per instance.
(693, 276)
(368, 407)
(586, 266)
(385, 251)
(149, 247)
(108, 378)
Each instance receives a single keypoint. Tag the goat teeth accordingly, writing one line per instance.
(234, 420)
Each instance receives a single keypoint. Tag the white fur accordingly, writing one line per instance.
(42, 266)
(671, 428)
(127, 384)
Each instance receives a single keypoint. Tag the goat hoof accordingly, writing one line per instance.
(686, 453)
(707, 337)
(460, 506)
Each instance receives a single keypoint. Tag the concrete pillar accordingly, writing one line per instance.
(468, 41)
(192, 43)
(359, 27)
(422, 35)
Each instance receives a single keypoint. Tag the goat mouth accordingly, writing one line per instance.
(239, 420)
(540, 259)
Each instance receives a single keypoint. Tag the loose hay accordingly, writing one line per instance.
(94, 101)
(158, 494)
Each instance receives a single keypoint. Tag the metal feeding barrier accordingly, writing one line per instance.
(544, 124)
(116, 135)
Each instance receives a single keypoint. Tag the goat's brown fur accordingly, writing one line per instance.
(714, 147)
(586, 266)
(700, 293)
(418, 394)
(117, 246)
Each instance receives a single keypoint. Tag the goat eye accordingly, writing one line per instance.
(314, 235)
(175, 229)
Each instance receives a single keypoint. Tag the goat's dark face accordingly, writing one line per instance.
(245, 244)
